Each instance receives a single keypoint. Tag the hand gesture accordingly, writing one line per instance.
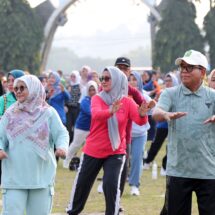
(60, 153)
(3, 155)
(151, 104)
(174, 115)
(210, 120)
(143, 109)
(116, 106)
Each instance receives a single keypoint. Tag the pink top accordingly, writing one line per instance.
(98, 143)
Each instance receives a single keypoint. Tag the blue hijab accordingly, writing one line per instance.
(16, 73)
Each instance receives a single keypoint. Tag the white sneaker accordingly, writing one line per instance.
(163, 172)
(146, 166)
(135, 191)
(100, 188)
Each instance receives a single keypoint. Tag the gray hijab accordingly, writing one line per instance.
(119, 89)
(174, 78)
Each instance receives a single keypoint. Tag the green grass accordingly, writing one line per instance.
(149, 202)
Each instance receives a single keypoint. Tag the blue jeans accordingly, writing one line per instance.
(137, 149)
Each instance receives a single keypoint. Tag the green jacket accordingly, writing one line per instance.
(9, 101)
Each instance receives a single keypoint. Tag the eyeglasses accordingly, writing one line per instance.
(188, 68)
(105, 78)
(20, 88)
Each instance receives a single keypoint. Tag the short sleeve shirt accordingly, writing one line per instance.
(191, 147)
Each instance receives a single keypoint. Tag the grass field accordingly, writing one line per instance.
(149, 202)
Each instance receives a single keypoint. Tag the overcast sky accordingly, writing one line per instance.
(101, 24)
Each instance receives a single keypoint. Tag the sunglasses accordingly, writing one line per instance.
(20, 88)
(188, 68)
(105, 78)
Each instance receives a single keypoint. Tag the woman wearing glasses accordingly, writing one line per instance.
(106, 144)
(8, 99)
(29, 130)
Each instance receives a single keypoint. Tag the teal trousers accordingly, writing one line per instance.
(27, 201)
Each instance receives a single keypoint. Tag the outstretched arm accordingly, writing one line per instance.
(161, 115)
(210, 120)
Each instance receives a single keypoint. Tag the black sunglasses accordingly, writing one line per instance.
(20, 88)
(105, 78)
(188, 68)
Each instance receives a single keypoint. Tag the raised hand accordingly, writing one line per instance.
(151, 104)
(116, 106)
(143, 109)
(173, 115)
(210, 120)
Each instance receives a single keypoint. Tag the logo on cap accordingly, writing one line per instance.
(188, 53)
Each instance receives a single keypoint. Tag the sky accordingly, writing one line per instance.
(97, 25)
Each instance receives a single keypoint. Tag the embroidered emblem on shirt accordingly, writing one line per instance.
(208, 104)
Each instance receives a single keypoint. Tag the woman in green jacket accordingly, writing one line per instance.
(9, 98)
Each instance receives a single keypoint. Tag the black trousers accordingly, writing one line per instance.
(152, 130)
(89, 169)
(71, 117)
(160, 136)
(179, 195)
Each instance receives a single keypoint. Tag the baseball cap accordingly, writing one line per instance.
(123, 60)
(193, 57)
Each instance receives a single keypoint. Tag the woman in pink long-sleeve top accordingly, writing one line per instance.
(106, 144)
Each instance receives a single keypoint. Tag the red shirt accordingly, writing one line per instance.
(98, 143)
(139, 99)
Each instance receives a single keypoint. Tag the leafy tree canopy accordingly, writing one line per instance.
(178, 33)
(20, 36)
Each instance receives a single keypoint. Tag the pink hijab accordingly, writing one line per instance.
(29, 119)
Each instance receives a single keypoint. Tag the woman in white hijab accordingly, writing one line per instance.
(106, 145)
(29, 130)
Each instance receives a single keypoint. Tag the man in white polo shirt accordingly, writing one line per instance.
(190, 108)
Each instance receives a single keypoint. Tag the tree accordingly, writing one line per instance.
(21, 36)
(177, 34)
(209, 27)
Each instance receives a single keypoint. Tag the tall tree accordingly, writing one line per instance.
(177, 33)
(209, 27)
(21, 36)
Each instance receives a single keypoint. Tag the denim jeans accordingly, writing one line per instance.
(137, 149)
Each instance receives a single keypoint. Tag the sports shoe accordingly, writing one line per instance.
(163, 172)
(146, 166)
(135, 191)
(100, 188)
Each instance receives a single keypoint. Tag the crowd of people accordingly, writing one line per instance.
(110, 115)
